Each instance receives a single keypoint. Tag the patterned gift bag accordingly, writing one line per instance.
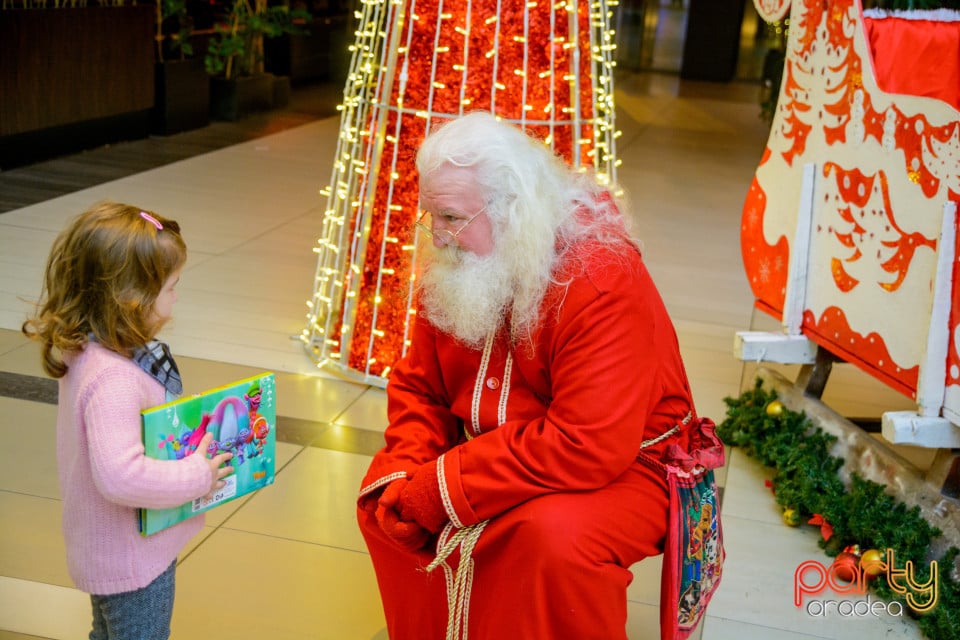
(693, 552)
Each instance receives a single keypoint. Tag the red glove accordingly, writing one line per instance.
(420, 499)
(407, 534)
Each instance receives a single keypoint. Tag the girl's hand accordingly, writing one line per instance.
(217, 473)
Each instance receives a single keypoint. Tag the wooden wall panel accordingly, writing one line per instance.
(61, 66)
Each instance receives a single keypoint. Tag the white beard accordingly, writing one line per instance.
(466, 295)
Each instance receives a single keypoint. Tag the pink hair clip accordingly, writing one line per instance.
(149, 218)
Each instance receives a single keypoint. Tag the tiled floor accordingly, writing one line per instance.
(288, 562)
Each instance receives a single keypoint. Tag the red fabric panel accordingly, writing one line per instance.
(916, 57)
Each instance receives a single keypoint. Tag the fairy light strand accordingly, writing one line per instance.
(483, 54)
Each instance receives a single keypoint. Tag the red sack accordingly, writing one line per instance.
(693, 553)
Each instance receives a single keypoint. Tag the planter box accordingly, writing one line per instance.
(712, 42)
(73, 79)
(182, 90)
(239, 97)
(281, 91)
(320, 55)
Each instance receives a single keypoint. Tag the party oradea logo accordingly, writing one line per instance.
(850, 574)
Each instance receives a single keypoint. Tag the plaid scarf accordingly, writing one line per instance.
(155, 358)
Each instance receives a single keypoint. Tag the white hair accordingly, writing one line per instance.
(539, 207)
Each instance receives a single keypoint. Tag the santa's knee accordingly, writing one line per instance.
(547, 529)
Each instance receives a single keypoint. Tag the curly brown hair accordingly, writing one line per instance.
(103, 277)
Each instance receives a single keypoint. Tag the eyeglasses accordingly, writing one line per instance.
(444, 234)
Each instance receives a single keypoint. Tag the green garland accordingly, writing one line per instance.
(806, 480)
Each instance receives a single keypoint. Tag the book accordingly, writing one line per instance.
(242, 416)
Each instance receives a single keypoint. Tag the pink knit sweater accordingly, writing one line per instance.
(104, 475)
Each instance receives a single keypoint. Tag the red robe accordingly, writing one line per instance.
(543, 447)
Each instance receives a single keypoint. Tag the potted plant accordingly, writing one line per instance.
(181, 85)
(234, 57)
(323, 54)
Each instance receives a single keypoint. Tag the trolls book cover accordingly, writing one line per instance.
(242, 416)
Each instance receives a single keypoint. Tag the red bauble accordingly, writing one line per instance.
(845, 566)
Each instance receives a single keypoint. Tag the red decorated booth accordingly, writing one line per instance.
(849, 229)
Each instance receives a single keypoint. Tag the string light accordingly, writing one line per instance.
(547, 67)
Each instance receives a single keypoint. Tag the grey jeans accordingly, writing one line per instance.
(143, 614)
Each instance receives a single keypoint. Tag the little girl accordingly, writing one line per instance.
(108, 289)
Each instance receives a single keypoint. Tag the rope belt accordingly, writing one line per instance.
(666, 434)
(458, 588)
